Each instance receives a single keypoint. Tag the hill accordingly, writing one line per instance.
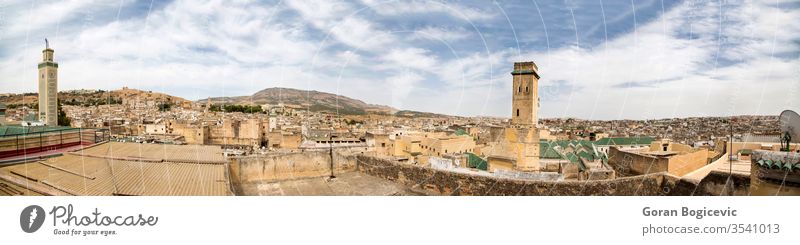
(94, 97)
(314, 100)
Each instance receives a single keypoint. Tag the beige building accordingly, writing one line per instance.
(48, 87)
(249, 132)
(284, 140)
(418, 146)
(662, 156)
(380, 142)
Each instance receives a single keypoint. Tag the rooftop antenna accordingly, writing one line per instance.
(46, 44)
(790, 129)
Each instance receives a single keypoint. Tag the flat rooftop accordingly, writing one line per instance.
(736, 167)
(116, 168)
(345, 184)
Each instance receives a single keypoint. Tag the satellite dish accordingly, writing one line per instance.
(790, 129)
(790, 124)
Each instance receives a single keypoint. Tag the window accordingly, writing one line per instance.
(519, 90)
(517, 112)
(526, 90)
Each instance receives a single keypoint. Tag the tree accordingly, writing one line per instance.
(164, 107)
(63, 120)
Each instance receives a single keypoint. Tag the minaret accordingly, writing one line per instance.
(48, 87)
(525, 105)
(525, 99)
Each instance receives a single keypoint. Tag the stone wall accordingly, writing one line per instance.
(719, 183)
(451, 183)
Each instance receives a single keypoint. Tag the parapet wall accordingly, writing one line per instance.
(286, 166)
(309, 164)
(452, 183)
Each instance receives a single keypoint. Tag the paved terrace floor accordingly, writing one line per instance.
(345, 184)
(721, 166)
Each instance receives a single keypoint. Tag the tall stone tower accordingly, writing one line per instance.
(48, 87)
(525, 105)
(525, 99)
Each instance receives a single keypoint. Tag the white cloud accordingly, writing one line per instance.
(440, 34)
(666, 67)
(37, 15)
(395, 8)
(415, 58)
(340, 20)
(401, 86)
(218, 42)
(669, 67)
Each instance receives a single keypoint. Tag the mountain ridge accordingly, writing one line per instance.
(312, 99)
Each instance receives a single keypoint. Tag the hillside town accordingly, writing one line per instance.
(292, 131)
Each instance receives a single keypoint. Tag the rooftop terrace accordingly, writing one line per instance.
(123, 169)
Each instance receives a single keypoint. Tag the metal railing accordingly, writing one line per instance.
(31, 142)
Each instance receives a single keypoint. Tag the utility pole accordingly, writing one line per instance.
(330, 143)
(730, 154)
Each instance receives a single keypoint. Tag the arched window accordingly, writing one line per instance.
(517, 112)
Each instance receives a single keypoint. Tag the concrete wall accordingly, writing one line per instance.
(682, 164)
(630, 164)
(451, 183)
(285, 166)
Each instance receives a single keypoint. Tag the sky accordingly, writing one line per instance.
(609, 59)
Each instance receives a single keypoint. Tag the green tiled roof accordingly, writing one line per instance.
(586, 155)
(777, 165)
(574, 159)
(574, 150)
(625, 141)
(547, 151)
(474, 161)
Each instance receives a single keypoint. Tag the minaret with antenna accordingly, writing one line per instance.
(48, 87)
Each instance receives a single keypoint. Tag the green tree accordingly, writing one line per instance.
(63, 120)
(164, 107)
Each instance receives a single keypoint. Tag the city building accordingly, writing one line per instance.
(662, 156)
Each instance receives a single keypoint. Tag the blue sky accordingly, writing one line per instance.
(597, 59)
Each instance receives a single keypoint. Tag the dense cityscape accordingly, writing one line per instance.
(236, 139)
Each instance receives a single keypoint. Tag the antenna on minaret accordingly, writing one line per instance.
(46, 43)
